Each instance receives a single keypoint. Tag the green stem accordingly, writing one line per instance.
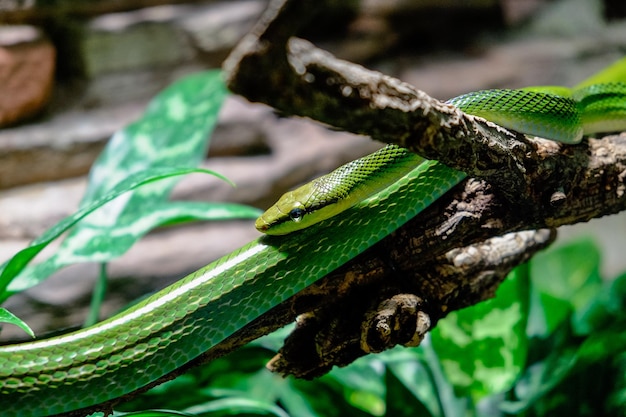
(97, 296)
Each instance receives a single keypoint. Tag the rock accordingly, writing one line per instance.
(569, 18)
(132, 55)
(217, 27)
(433, 25)
(62, 146)
(134, 40)
(66, 144)
(26, 72)
(159, 36)
(518, 63)
(516, 11)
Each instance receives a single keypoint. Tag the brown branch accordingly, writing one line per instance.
(553, 183)
(516, 184)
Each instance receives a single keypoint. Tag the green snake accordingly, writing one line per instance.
(367, 200)
(551, 112)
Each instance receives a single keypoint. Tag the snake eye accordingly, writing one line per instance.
(296, 214)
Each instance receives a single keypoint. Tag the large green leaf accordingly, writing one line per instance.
(565, 280)
(579, 347)
(419, 371)
(483, 348)
(172, 133)
(16, 264)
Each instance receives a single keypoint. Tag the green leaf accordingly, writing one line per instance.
(401, 402)
(553, 386)
(173, 132)
(16, 264)
(583, 327)
(323, 398)
(412, 369)
(7, 317)
(154, 413)
(483, 348)
(546, 314)
(363, 385)
(540, 379)
(566, 279)
(562, 272)
(237, 406)
(176, 212)
(603, 344)
(93, 244)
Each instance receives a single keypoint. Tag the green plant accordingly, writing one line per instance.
(129, 186)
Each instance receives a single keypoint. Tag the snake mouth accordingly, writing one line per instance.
(261, 225)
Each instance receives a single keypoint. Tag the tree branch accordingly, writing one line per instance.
(516, 184)
(543, 178)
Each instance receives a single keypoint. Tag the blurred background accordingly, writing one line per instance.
(72, 73)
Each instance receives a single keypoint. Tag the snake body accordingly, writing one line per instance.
(179, 323)
(537, 111)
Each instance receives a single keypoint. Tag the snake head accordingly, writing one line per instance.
(298, 209)
(283, 217)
